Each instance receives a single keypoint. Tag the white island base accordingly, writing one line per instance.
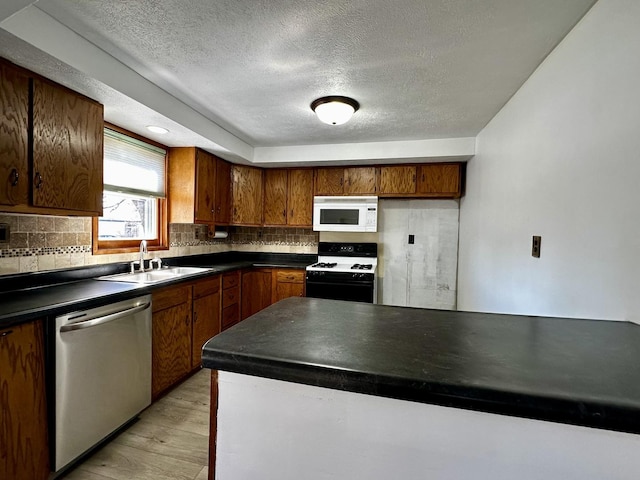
(274, 430)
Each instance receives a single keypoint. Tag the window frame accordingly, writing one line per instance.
(100, 247)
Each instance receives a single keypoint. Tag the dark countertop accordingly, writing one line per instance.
(24, 297)
(583, 372)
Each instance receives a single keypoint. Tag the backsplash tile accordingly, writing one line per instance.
(39, 243)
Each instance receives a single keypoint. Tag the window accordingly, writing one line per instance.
(133, 201)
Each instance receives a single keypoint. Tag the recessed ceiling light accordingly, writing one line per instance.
(156, 129)
(334, 110)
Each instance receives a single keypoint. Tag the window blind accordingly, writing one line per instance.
(132, 166)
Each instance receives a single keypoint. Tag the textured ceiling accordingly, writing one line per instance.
(421, 69)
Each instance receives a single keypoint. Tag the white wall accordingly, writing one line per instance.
(561, 160)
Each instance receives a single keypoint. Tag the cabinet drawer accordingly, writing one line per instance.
(230, 296)
(230, 280)
(171, 296)
(290, 276)
(230, 315)
(206, 287)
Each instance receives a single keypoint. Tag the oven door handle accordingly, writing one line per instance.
(363, 283)
(94, 322)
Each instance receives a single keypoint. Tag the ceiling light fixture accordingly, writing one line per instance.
(334, 110)
(159, 130)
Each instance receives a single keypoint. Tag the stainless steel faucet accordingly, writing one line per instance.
(143, 250)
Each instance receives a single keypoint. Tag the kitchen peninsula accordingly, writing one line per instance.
(311, 388)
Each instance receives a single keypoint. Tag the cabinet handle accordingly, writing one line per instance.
(195, 317)
(186, 320)
(14, 177)
(6, 333)
(292, 213)
(423, 177)
(218, 208)
(284, 213)
(38, 180)
(341, 181)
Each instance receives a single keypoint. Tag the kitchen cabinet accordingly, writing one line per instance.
(63, 174)
(360, 181)
(345, 181)
(206, 315)
(68, 135)
(24, 453)
(397, 180)
(287, 283)
(230, 299)
(440, 180)
(300, 198)
(171, 337)
(288, 199)
(328, 181)
(246, 195)
(256, 291)
(223, 192)
(275, 197)
(14, 122)
(199, 187)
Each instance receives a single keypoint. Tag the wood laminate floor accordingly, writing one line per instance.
(169, 442)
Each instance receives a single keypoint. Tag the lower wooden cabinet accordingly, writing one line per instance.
(230, 299)
(171, 337)
(256, 291)
(185, 316)
(24, 453)
(206, 316)
(287, 283)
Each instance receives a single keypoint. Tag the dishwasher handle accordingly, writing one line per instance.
(94, 322)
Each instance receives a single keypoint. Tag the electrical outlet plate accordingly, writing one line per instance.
(5, 232)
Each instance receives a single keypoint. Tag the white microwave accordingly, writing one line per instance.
(345, 214)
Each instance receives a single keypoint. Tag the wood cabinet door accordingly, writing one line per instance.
(397, 180)
(223, 192)
(328, 181)
(205, 182)
(439, 180)
(67, 150)
(256, 291)
(24, 453)
(300, 198)
(206, 324)
(287, 283)
(171, 346)
(247, 195)
(275, 197)
(14, 124)
(360, 181)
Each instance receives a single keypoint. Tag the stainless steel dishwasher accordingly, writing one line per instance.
(103, 374)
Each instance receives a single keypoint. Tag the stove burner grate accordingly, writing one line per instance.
(359, 266)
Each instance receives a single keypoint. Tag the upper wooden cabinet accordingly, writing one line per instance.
(345, 181)
(288, 197)
(62, 173)
(14, 124)
(223, 192)
(440, 180)
(397, 180)
(275, 197)
(329, 181)
(68, 137)
(199, 187)
(247, 195)
(360, 181)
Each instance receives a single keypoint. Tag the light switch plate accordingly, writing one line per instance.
(535, 246)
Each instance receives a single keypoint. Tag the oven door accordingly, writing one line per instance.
(343, 288)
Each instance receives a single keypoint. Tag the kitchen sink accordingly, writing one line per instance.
(155, 276)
